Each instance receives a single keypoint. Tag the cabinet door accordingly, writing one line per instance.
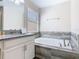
(14, 52)
(30, 51)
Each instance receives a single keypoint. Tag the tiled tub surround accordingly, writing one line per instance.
(74, 41)
(58, 50)
(78, 41)
(73, 37)
(59, 35)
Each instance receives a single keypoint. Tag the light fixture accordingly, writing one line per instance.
(12, 0)
(22, 1)
(17, 2)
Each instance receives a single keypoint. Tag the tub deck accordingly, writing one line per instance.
(55, 47)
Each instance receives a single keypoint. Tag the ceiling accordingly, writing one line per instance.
(47, 3)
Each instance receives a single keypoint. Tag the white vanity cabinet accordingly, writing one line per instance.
(29, 50)
(14, 52)
(20, 48)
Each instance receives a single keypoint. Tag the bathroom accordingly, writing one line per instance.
(52, 23)
(58, 30)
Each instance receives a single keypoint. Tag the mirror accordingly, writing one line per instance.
(14, 17)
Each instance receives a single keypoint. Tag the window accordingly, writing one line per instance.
(33, 18)
(32, 15)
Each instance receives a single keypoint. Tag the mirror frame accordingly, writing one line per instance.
(1, 30)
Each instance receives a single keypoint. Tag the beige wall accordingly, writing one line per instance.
(56, 18)
(75, 16)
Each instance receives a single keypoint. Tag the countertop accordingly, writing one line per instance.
(5, 37)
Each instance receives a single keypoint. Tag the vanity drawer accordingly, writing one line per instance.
(13, 42)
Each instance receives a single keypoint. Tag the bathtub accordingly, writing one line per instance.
(59, 43)
(55, 47)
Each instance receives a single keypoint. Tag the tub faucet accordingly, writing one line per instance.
(64, 43)
(60, 45)
(68, 44)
